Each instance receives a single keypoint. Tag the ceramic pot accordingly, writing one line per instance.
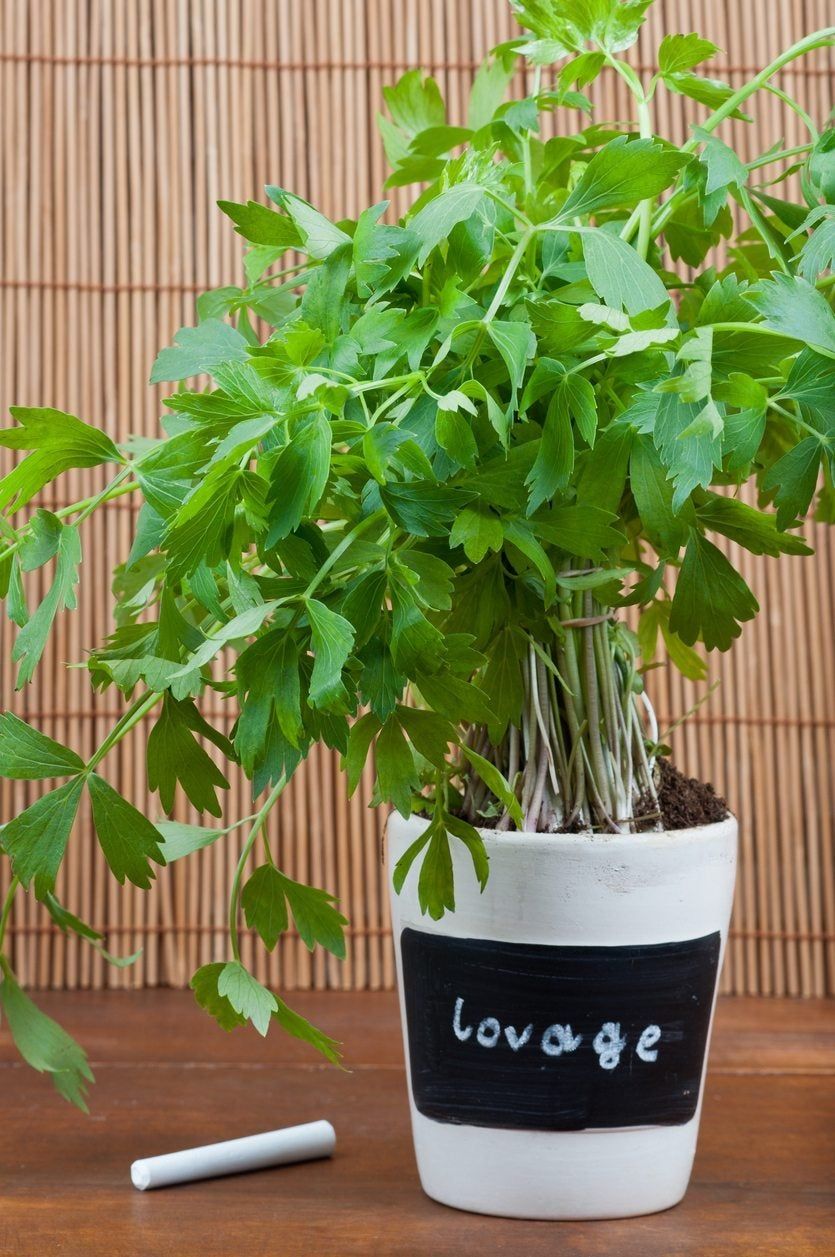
(556, 1025)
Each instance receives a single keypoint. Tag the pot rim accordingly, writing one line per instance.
(645, 839)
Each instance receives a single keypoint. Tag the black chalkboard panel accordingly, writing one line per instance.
(557, 1038)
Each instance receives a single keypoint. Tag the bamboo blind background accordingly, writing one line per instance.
(122, 124)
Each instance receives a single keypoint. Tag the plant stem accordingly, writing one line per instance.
(132, 717)
(246, 850)
(507, 278)
(7, 908)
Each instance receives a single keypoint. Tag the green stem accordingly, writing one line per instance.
(339, 550)
(818, 39)
(86, 506)
(132, 717)
(507, 279)
(7, 908)
(246, 851)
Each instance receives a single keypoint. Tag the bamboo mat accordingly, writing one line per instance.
(122, 124)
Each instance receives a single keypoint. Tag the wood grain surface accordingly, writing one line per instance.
(167, 1078)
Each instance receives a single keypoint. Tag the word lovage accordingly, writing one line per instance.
(556, 1039)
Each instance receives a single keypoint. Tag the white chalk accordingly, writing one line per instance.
(254, 1152)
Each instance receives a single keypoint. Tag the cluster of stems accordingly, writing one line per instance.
(581, 757)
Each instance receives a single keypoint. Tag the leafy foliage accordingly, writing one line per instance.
(403, 522)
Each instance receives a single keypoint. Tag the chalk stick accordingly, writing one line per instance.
(254, 1152)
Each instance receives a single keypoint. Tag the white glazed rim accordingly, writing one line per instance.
(646, 840)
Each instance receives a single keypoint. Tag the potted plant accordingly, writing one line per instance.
(410, 518)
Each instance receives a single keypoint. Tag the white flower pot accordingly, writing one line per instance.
(556, 1026)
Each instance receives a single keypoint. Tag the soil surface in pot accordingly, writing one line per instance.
(684, 802)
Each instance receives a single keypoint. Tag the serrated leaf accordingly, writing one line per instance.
(711, 600)
(316, 917)
(794, 477)
(199, 349)
(252, 1001)
(26, 754)
(495, 782)
(174, 756)
(43, 1044)
(683, 52)
(790, 305)
(37, 837)
(477, 531)
(623, 172)
(332, 639)
(180, 840)
(204, 983)
(396, 770)
(620, 276)
(264, 904)
(32, 638)
(433, 223)
(127, 838)
(300, 1028)
(58, 442)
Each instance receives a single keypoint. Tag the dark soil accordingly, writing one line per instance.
(684, 801)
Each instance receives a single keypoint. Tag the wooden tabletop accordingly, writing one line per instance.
(168, 1079)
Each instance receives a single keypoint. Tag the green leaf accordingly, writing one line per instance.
(316, 917)
(620, 276)
(433, 223)
(396, 772)
(264, 904)
(795, 477)
(489, 87)
(332, 640)
(653, 493)
(423, 508)
(707, 91)
(205, 986)
(517, 344)
(711, 600)
(199, 532)
(683, 52)
(246, 995)
(127, 838)
(584, 531)
(300, 1028)
(436, 893)
(32, 638)
(495, 782)
(753, 529)
(811, 380)
(429, 733)
(37, 838)
(415, 103)
(179, 839)
(790, 305)
(363, 733)
(28, 755)
(199, 349)
(261, 225)
(555, 459)
(565, 26)
(319, 236)
(503, 682)
(44, 1045)
(474, 843)
(477, 530)
(175, 756)
(623, 172)
(58, 442)
(299, 477)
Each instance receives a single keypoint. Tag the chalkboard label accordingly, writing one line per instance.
(525, 1036)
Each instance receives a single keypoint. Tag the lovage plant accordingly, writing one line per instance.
(410, 515)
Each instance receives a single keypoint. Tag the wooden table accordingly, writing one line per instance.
(167, 1078)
